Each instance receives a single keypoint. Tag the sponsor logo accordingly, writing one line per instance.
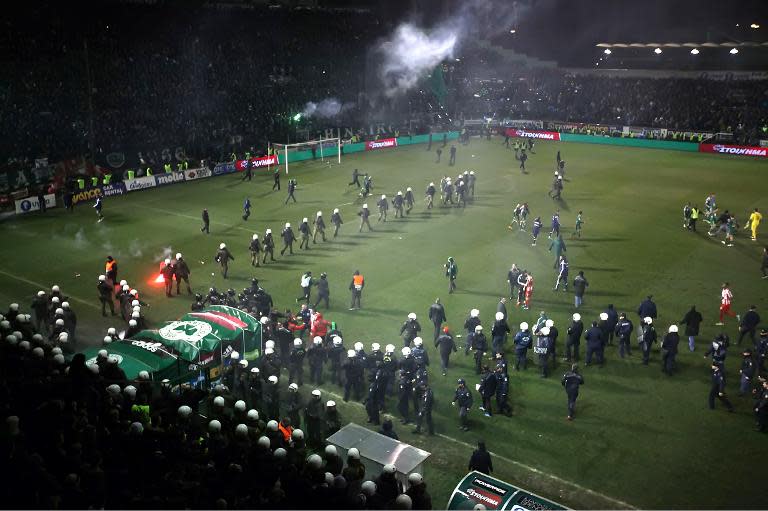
(140, 183)
(485, 498)
(264, 161)
(113, 189)
(738, 150)
(191, 332)
(206, 359)
(224, 168)
(169, 179)
(381, 144)
(489, 486)
(192, 174)
(26, 205)
(87, 195)
(149, 346)
(32, 204)
(546, 135)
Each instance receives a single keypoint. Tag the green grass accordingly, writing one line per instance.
(640, 437)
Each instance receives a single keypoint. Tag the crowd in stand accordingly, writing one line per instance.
(80, 435)
(213, 81)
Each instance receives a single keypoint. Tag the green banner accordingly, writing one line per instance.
(630, 142)
(478, 488)
(134, 356)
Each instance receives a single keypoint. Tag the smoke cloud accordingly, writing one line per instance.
(411, 52)
(330, 107)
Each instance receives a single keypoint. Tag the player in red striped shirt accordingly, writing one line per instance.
(725, 305)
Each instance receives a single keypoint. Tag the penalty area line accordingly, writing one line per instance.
(534, 470)
(44, 286)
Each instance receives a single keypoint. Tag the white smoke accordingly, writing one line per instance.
(80, 240)
(134, 248)
(330, 107)
(411, 53)
(167, 253)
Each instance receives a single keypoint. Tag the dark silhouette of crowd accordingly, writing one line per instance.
(79, 434)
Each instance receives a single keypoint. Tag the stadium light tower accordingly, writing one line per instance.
(734, 51)
(754, 26)
(657, 51)
(695, 51)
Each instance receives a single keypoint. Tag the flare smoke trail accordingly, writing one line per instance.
(330, 107)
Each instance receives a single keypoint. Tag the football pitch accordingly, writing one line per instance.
(640, 438)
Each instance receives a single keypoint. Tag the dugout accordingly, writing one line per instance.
(377, 450)
(477, 488)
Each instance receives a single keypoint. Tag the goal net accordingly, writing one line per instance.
(326, 150)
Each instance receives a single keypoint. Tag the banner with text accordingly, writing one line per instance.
(32, 204)
(543, 135)
(255, 163)
(140, 183)
(738, 150)
(192, 174)
(477, 488)
(380, 144)
(170, 178)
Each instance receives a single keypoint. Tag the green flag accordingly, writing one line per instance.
(437, 84)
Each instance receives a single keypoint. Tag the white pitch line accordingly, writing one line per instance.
(169, 212)
(44, 286)
(534, 470)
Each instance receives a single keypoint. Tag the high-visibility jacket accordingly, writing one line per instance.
(285, 431)
(110, 265)
(357, 280)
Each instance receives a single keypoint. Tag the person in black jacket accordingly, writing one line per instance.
(481, 459)
(479, 344)
(623, 330)
(446, 346)
(487, 390)
(573, 338)
(502, 390)
(437, 316)
(746, 372)
(499, 333)
(572, 380)
(692, 320)
(410, 329)
(323, 291)
(288, 238)
(181, 271)
(595, 343)
(388, 429)
(269, 246)
(748, 324)
(426, 403)
(291, 190)
(105, 297)
(206, 222)
(463, 399)
(669, 350)
(717, 389)
(647, 338)
(613, 318)
(647, 308)
(223, 256)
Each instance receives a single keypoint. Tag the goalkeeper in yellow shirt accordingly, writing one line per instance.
(754, 221)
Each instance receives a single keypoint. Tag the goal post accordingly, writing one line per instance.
(324, 149)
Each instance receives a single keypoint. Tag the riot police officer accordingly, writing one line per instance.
(463, 399)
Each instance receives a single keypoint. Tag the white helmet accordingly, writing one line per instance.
(297, 342)
(418, 341)
(368, 487)
(479, 328)
(544, 330)
(264, 320)
(125, 287)
(55, 299)
(65, 305)
(59, 311)
(330, 404)
(134, 292)
(383, 196)
(243, 363)
(102, 278)
(270, 344)
(316, 393)
(499, 316)
(241, 430)
(287, 225)
(214, 426)
(359, 346)
(184, 411)
(167, 261)
(269, 351)
(576, 316)
(272, 425)
(415, 479)
(42, 293)
(272, 379)
(403, 501)
(405, 351)
(55, 289)
(253, 415)
(268, 231)
(337, 340)
(353, 453)
(263, 442)
(135, 314)
(298, 434)
(375, 346)
(218, 401)
(235, 355)
(255, 237)
(135, 303)
(365, 206)
(132, 322)
(604, 316)
(143, 375)
(412, 315)
(255, 370)
(305, 220)
(390, 348)
(350, 353)
(409, 189)
(400, 193)
(474, 313)
(647, 320)
(335, 210)
(523, 326)
(59, 322)
(319, 213)
(672, 329)
(389, 469)
(123, 282)
(240, 405)
(178, 255)
(222, 246)
(293, 387)
(431, 184)
(549, 323)
(111, 331)
(471, 172)
(330, 450)
(317, 340)
(130, 391)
